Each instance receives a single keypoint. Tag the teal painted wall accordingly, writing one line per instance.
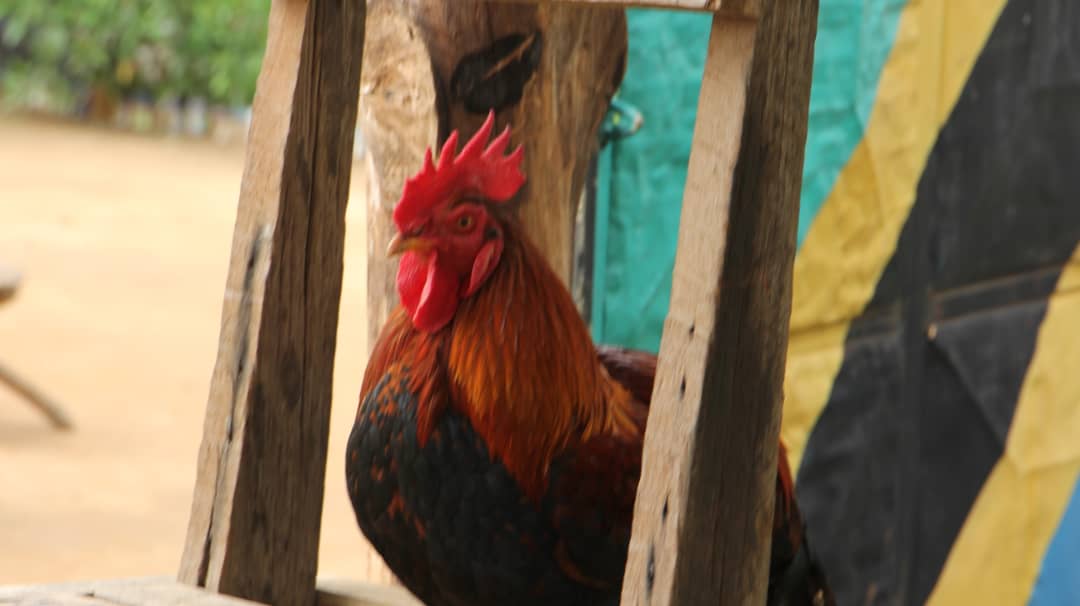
(641, 190)
(648, 170)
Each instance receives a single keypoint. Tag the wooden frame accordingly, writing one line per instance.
(704, 504)
(255, 517)
(746, 8)
(703, 515)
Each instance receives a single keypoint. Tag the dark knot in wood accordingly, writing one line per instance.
(495, 77)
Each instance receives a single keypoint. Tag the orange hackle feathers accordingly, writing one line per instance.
(518, 361)
(523, 368)
(478, 171)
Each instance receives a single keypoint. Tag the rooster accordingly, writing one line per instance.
(496, 450)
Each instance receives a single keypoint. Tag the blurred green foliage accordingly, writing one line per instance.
(154, 49)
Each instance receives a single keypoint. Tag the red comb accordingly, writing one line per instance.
(478, 171)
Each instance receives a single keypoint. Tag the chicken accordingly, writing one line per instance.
(496, 450)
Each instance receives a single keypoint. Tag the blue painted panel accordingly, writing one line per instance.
(1059, 579)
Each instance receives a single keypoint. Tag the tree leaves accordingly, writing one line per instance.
(149, 48)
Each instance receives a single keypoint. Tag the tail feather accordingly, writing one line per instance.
(795, 576)
(801, 582)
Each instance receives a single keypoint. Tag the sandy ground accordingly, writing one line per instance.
(124, 242)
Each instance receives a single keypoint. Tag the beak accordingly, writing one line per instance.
(400, 244)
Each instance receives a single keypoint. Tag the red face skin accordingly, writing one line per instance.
(448, 255)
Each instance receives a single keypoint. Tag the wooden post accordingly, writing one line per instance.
(732, 7)
(255, 518)
(438, 65)
(703, 516)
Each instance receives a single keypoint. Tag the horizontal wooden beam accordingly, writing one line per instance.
(159, 591)
(745, 8)
(703, 515)
(164, 591)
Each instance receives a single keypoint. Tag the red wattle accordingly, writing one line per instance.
(428, 290)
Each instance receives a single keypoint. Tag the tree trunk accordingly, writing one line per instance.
(432, 66)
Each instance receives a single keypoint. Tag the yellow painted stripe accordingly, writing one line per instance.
(854, 234)
(997, 556)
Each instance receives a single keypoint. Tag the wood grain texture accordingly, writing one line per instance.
(404, 110)
(340, 592)
(728, 7)
(149, 591)
(164, 591)
(256, 512)
(703, 515)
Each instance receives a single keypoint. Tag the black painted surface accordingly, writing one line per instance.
(921, 406)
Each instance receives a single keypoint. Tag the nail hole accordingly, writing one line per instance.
(682, 387)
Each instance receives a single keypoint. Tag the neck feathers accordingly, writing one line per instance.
(519, 362)
(524, 369)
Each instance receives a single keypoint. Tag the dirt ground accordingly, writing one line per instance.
(124, 241)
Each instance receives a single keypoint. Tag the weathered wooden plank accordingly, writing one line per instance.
(44, 597)
(164, 591)
(340, 592)
(258, 498)
(548, 70)
(149, 591)
(704, 506)
(728, 7)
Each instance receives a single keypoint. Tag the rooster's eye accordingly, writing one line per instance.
(465, 222)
